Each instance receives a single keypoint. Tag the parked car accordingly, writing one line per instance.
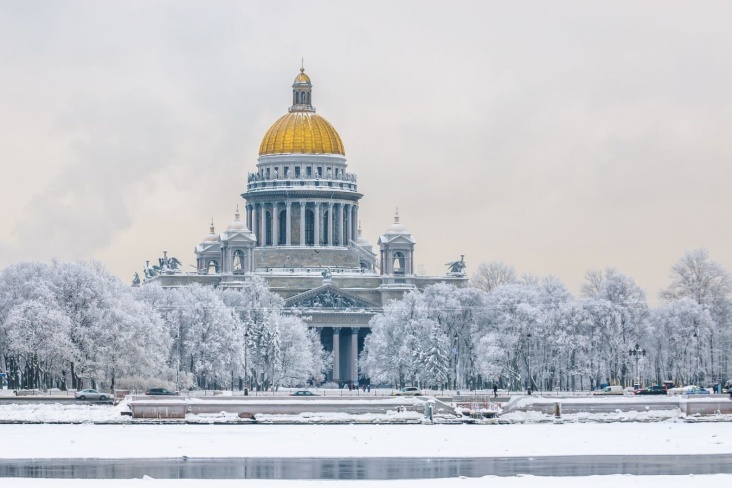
(90, 394)
(688, 390)
(159, 391)
(609, 390)
(301, 393)
(408, 391)
(652, 390)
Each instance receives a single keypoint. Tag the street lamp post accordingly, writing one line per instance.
(698, 358)
(457, 360)
(528, 337)
(637, 353)
(246, 365)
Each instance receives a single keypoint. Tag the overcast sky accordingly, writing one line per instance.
(555, 136)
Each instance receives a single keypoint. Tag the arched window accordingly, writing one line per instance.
(268, 228)
(237, 264)
(297, 98)
(309, 228)
(213, 267)
(398, 267)
(282, 238)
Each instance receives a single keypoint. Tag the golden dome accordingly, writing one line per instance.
(301, 133)
(302, 77)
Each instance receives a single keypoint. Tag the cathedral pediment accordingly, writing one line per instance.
(237, 236)
(208, 247)
(406, 240)
(329, 297)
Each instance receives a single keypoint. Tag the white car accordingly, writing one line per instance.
(408, 391)
(90, 394)
(609, 390)
(688, 390)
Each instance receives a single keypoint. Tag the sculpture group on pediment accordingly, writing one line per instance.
(328, 299)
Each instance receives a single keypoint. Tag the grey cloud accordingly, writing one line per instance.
(557, 137)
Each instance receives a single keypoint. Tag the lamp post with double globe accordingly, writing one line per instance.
(637, 353)
(246, 365)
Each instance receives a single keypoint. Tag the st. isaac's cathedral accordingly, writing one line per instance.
(301, 234)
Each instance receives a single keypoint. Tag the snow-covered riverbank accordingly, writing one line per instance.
(126, 441)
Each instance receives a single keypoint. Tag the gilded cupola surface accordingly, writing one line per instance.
(301, 131)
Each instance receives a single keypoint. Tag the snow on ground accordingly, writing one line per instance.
(525, 401)
(152, 440)
(81, 413)
(314, 418)
(60, 412)
(613, 481)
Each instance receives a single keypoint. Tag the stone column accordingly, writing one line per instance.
(330, 224)
(263, 225)
(354, 221)
(249, 216)
(317, 224)
(354, 354)
(340, 224)
(275, 225)
(302, 222)
(254, 227)
(348, 224)
(336, 353)
(288, 220)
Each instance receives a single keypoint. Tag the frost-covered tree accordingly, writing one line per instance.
(83, 323)
(619, 309)
(696, 277)
(679, 330)
(489, 276)
(425, 338)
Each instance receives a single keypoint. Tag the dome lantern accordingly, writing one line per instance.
(302, 90)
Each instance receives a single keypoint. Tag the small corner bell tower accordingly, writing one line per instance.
(397, 250)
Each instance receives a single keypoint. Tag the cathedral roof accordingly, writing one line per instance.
(301, 131)
(212, 236)
(302, 77)
(397, 227)
(237, 224)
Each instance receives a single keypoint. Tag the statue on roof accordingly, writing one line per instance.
(151, 271)
(457, 268)
(136, 280)
(173, 263)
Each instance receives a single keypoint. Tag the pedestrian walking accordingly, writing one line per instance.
(495, 390)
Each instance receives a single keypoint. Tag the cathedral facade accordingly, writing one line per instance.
(301, 233)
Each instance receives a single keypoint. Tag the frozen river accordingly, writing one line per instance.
(391, 468)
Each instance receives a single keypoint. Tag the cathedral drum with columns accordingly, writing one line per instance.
(301, 234)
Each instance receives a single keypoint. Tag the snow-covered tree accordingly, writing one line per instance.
(489, 276)
(696, 277)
